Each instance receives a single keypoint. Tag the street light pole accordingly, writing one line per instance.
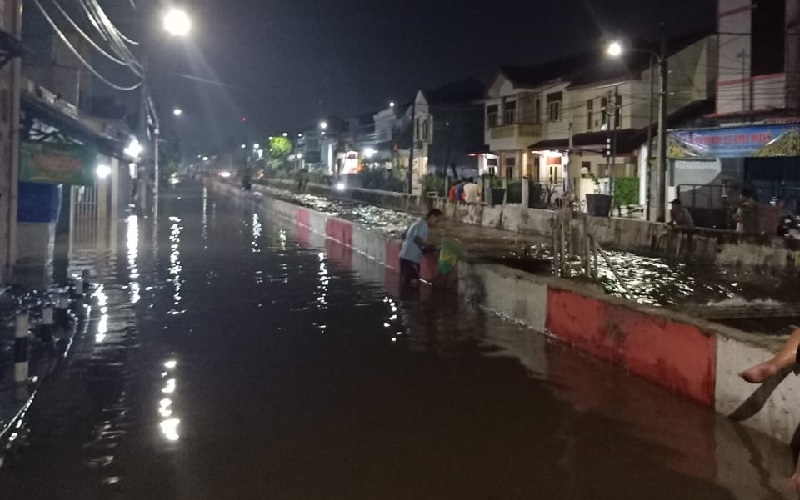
(410, 171)
(662, 133)
(615, 49)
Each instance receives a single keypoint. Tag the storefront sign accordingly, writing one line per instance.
(52, 163)
(761, 141)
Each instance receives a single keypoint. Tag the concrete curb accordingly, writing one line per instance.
(694, 358)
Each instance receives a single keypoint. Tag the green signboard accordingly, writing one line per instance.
(52, 163)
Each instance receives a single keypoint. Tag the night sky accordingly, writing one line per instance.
(287, 63)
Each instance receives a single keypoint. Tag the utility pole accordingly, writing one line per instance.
(614, 126)
(9, 184)
(608, 110)
(648, 171)
(410, 173)
(662, 131)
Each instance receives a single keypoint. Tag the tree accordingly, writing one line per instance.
(278, 151)
(169, 156)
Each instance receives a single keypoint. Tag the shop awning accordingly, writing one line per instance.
(70, 126)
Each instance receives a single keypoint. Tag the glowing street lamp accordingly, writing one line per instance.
(323, 125)
(614, 49)
(177, 22)
(103, 171)
(177, 112)
(134, 149)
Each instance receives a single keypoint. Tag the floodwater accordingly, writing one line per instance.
(240, 358)
(645, 279)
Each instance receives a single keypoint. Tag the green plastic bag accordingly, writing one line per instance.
(449, 253)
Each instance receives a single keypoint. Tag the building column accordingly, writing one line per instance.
(38, 212)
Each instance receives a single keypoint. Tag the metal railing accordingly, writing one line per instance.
(709, 204)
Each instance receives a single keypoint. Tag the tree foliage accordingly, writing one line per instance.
(277, 153)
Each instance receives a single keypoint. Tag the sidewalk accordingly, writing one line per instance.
(15, 399)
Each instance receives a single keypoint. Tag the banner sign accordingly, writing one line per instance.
(744, 142)
(52, 163)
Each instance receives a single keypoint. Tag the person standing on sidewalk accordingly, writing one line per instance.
(460, 191)
(472, 193)
(415, 241)
(747, 214)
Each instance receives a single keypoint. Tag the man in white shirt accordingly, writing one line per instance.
(415, 240)
(472, 193)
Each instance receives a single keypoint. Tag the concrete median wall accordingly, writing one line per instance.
(690, 357)
(723, 248)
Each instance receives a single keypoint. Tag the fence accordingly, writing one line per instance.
(709, 204)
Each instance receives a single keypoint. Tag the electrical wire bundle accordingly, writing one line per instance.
(119, 51)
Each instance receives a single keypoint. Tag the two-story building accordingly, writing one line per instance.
(591, 114)
(524, 105)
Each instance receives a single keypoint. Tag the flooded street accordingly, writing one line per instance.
(229, 356)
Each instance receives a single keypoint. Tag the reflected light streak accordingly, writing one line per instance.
(102, 323)
(169, 428)
(174, 260)
(205, 217)
(165, 409)
(257, 228)
(133, 256)
(324, 280)
(170, 387)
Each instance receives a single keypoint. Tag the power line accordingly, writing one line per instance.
(85, 36)
(78, 55)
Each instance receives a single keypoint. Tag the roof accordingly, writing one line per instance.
(631, 66)
(461, 91)
(593, 66)
(533, 76)
(69, 125)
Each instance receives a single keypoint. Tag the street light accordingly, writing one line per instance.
(391, 104)
(177, 22)
(177, 112)
(134, 149)
(256, 146)
(323, 125)
(285, 134)
(615, 49)
(103, 171)
(244, 146)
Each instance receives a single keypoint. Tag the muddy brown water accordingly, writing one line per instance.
(230, 356)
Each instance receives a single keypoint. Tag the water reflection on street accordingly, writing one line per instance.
(244, 358)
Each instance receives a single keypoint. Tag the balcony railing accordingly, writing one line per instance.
(516, 130)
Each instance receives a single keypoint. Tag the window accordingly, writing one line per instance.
(423, 130)
(604, 112)
(510, 162)
(769, 37)
(537, 110)
(509, 112)
(618, 113)
(554, 106)
(589, 117)
(554, 169)
(491, 116)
